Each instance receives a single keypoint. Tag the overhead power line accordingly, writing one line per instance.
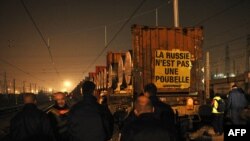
(226, 42)
(41, 35)
(114, 37)
(20, 69)
(244, 25)
(115, 22)
(219, 12)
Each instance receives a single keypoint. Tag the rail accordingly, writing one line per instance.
(47, 108)
(7, 110)
(13, 109)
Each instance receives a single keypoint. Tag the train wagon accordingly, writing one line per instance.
(172, 59)
(169, 57)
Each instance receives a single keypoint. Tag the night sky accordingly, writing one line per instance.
(75, 29)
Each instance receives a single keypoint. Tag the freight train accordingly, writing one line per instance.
(169, 57)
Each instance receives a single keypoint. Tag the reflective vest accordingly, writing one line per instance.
(215, 105)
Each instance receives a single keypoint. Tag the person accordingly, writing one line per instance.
(30, 123)
(236, 103)
(163, 111)
(218, 115)
(131, 115)
(88, 120)
(119, 116)
(58, 115)
(146, 127)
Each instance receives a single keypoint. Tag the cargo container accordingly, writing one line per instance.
(181, 53)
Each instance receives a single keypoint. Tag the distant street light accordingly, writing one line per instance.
(67, 84)
(50, 90)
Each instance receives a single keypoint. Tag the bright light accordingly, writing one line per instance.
(32, 91)
(232, 75)
(220, 75)
(17, 92)
(50, 89)
(67, 84)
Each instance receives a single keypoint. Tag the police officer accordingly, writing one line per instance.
(217, 114)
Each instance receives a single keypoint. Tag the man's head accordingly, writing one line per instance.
(150, 90)
(29, 98)
(234, 86)
(60, 99)
(143, 105)
(88, 88)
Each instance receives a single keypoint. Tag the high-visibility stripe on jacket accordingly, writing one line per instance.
(215, 105)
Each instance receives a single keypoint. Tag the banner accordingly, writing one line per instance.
(172, 69)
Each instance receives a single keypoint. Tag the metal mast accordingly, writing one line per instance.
(176, 13)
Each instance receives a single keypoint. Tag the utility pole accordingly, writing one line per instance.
(217, 68)
(105, 36)
(234, 71)
(14, 86)
(176, 13)
(35, 88)
(14, 90)
(30, 88)
(207, 77)
(156, 17)
(23, 86)
(5, 84)
(227, 61)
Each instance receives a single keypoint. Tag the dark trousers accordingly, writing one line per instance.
(218, 123)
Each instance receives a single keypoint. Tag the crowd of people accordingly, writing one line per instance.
(230, 111)
(87, 120)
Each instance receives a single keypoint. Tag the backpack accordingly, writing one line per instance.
(221, 105)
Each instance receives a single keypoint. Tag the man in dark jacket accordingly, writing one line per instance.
(30, 123)
(236, 103)
(163, 111)
(58, 115)
(88, 120)
(146, 127)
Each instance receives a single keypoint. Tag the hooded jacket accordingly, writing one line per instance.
(90, 121)
(31, 124)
